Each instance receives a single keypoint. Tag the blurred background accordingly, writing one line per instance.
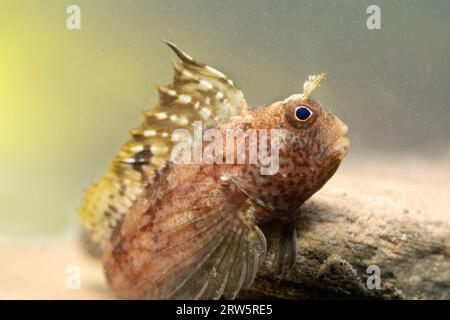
(69, 97)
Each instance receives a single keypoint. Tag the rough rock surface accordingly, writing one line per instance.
(395, 215)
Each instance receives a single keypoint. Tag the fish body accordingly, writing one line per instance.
(190, 229)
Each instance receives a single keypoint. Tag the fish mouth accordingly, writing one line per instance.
(342, 144)
(343, 130)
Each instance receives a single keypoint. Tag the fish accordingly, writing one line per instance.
(172, 229)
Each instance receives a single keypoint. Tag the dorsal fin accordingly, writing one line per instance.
(197, 93)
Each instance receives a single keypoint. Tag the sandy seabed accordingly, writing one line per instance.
(46, 269)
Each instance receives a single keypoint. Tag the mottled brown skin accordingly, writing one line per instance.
(183, 188)
(310, 155)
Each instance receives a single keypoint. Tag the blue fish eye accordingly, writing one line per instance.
(302, 113)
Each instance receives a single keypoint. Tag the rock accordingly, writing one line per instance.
(394, 215)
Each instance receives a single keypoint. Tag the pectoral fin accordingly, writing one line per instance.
(202, 251)
(281, 238)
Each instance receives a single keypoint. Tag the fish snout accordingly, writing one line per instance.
(342, 143)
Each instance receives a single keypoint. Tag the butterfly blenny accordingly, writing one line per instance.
(201, 230)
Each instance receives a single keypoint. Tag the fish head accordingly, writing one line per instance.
(312, 134)
(312, 144)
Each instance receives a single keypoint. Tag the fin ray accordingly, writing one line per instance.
(197, 93)
(210, 253)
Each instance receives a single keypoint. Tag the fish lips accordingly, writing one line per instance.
(339, 148)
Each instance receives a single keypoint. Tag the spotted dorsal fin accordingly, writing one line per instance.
(197, 93)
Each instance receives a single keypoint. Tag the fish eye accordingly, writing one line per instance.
(303, 113)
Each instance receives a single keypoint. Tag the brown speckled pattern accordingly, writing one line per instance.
(191, 231)
(183, 216)
(309, 156)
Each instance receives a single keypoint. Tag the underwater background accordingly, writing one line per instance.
(69, 97)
